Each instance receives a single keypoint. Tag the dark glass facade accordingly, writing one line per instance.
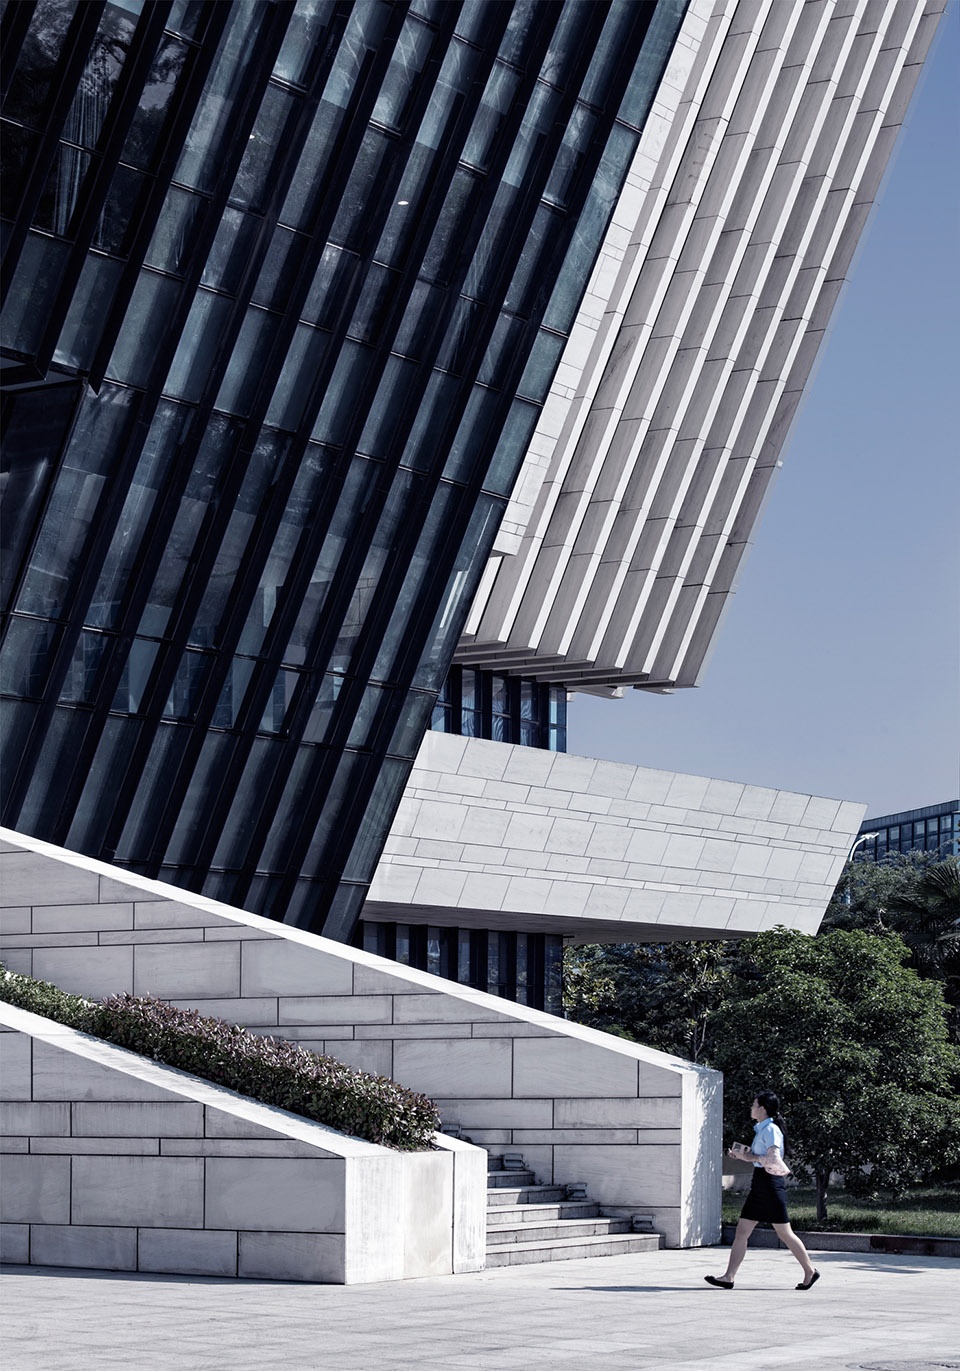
(285, 285)
(524, 967)
(935, 828)
(506, 709)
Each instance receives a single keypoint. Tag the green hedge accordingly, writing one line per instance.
(271, 1070)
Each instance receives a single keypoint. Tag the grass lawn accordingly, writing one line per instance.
(933, 1211)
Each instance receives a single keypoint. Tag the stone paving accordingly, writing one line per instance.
(629, 1313)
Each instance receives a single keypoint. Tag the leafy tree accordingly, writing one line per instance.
(855, 1043)
(916, 895)
(660, 994)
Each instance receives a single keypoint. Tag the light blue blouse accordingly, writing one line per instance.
(766, 1134)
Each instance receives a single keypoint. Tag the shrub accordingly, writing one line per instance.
(271, 1070)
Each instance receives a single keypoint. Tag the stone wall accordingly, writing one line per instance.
(501, 836)
(114, 1161)
(641, 1128)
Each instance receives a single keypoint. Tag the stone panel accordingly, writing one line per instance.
(95, 972)
(565, 1067)
(292, 1256)
(285, 968)
(69, 918)
(450, 1007)
(105, 1248)
(29, 878)
(35, 1189)
(642, 1176)
(15, 1067)
(505, 1113)
(15, 1243)
(469, 1067)
(331, 1009)
(208, 970)
(14, 920)
(61, 1075)
(187, 1251)
(157, 1192)
(44, 1120)
(644, 1112)
(275, 1195)
(136, 1119)
(370, 1055)
(172, 914)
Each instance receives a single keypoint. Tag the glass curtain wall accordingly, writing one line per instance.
(285, 286)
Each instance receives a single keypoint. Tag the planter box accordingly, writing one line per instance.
(117, 1162)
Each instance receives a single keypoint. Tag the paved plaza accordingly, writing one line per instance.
(649, 1310)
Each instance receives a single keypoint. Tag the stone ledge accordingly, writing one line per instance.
(902, 1244)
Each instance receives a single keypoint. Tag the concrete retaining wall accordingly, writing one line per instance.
(114, 1161)
(641, 1128)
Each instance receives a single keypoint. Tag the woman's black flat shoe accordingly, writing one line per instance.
(805, 1285)
(721, 1285)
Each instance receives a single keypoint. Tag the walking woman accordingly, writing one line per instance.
(767, 1201)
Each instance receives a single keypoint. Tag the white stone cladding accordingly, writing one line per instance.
(642, 1128)
(114, 1161)
(751, 185)
(501, 836)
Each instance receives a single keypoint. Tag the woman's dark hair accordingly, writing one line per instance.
(770, 1101)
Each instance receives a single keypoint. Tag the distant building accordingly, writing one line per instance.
(935, 828)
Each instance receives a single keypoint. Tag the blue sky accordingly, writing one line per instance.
(836, 670)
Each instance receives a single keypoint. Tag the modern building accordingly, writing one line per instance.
(372, 363)
(934, 828)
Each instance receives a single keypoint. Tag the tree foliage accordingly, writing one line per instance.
(659, 994)
(856, 1044)
(916, 895)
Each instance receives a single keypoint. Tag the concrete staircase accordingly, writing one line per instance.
(527, 1222)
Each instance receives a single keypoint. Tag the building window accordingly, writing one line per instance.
(505, 709)
(525, 968)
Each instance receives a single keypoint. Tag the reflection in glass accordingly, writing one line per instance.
(263, 144)
(26, 654)
(73, 504)
(89, 825)
(262, 467)
(305, 30)
(148, 315)
(128, 537)
(80, 680)
(215, 451)
(88, 310)
(279, 701)
(36, 69)
(171, 238)
(143, 140)
(135, 676)
(192, 671)
(199, 162)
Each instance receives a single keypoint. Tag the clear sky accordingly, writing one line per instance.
(836, 670)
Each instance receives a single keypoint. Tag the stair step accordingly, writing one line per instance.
(498, 1179)
(506, 1215)
(568, 1249)
(551, 1232)
(525, 1194)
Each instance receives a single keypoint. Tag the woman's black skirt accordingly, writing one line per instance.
(767, 1201)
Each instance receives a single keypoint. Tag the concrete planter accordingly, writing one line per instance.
(117, 1162)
